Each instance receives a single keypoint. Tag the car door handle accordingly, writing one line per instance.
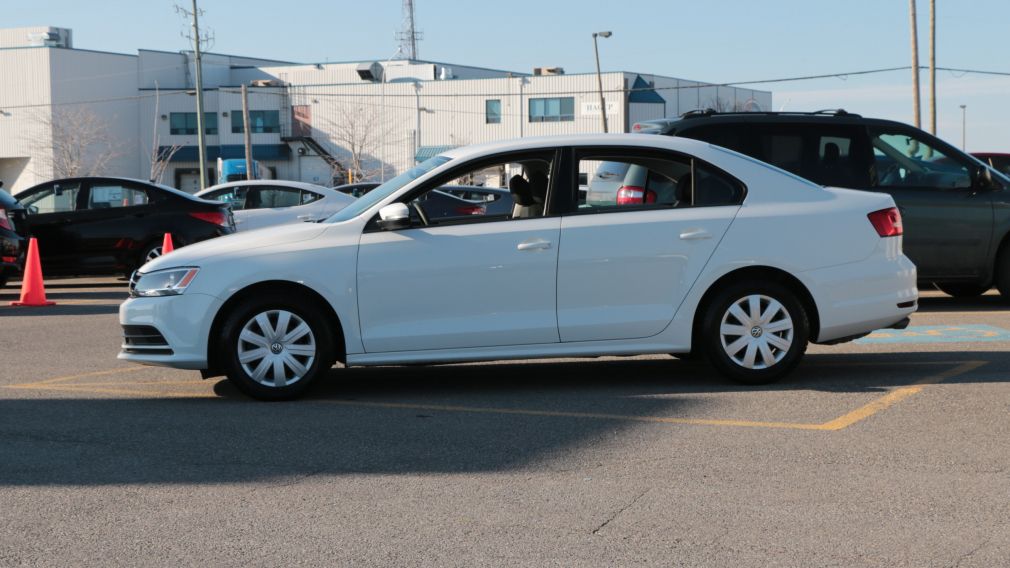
(695, 234)
(538, 244)
(305, 218)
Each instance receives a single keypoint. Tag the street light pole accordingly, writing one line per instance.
(599, 76)
(963, 127)
(201, 139)
(382, 121)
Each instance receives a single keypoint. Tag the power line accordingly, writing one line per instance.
(298, 90)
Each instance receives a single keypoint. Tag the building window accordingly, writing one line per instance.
(261, 121)
(492, 111)
(185, 123)
(552, 110)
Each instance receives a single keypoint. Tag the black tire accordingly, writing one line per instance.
(243, 317)
(3, 281)
(962, 289)
(788, 348)
(1003, 272)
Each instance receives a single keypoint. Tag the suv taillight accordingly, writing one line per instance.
(634, 195)
(5, 223)
(216, 217)
(887, 222)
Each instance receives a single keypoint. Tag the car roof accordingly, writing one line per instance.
(274, 182)
(685, 145)
(7, 199)
(161, 186)
(701, 118)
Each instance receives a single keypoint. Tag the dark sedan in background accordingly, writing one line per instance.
(12, 241)
(107, 225)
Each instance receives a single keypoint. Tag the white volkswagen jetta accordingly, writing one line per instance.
(715, 253)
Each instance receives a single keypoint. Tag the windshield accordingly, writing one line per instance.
(366, 201)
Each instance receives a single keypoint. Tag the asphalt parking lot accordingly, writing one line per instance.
(892, 451)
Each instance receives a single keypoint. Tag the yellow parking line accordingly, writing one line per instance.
(561, 414)
(844, 421)
(135, 393)
(66, 378)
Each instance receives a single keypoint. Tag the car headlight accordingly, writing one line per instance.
(170, 282)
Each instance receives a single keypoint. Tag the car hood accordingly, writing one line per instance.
(236, 244)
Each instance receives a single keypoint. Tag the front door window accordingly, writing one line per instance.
(902, 159)
(57, 198)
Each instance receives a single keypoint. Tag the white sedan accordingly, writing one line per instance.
(715, 254)
(264, 203)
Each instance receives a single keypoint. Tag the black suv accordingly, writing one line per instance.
(956, 210)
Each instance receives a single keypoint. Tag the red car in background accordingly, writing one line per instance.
(999, 162)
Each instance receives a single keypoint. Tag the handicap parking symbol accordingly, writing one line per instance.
(938, 334)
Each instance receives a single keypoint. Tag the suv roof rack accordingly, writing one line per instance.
(825, 112)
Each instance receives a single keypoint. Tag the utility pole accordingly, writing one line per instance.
(197, 39)
(599, 76)
(247, 132)
(915, 64)
(964, 129)
(932, 67)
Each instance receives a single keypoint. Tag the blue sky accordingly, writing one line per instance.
(731, 40)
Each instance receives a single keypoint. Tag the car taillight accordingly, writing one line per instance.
(470, 210)
(887, 222)
(634, 195)
(5, 223)
(216, 217)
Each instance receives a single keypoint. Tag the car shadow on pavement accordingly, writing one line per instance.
(401, 420)
(57, 310)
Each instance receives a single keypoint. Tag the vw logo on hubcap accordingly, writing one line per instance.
(756, 331)
(276, 348)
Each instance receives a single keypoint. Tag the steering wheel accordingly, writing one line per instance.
(420, 212)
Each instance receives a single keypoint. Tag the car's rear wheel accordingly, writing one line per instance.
(275, 349)
(755, 333)
(962, 289)
(150, 253)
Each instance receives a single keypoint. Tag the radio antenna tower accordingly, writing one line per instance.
(408, 35)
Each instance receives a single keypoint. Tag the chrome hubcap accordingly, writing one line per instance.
(276, 348)
(153, 254)
(756, 332)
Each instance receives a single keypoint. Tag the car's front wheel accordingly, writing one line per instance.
(755, 333)
(1003, 272)
(275, 349)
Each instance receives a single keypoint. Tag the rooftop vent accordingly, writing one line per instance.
(548, 70)
(370, 71)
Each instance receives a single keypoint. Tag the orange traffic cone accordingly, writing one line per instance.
(33, 291)
(166, 245)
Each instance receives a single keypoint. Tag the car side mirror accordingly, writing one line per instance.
(982, 179)
(394, 216)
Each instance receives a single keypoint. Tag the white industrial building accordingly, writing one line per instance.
(70, 111)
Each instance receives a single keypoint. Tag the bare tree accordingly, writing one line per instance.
(358, 131)
(161, 156)
(81, 143)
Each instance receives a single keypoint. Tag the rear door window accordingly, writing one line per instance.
(106, 195)
(652, 181)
